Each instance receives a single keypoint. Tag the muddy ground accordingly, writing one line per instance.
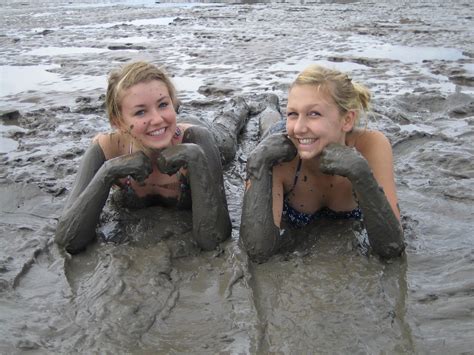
(154, 292)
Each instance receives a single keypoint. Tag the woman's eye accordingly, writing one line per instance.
(292, 114)
(163, 104)
(140, 113)
(314, 113)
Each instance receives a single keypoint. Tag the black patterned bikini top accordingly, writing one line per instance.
(299, 219)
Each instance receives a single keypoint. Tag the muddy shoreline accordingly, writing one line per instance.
(156, 292)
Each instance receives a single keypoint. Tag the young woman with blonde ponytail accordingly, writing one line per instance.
(322, 166)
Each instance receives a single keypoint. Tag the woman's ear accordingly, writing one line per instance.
(349, 121)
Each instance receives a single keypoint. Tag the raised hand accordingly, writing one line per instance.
(274, 149)
(137, 165)
(171, 159)
(337, 159)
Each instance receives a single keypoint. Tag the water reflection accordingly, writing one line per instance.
(376, 49)
(17, 79)
(50, 51)
(301, 64)
(7, 144)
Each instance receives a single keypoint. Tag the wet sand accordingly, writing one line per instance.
(154, 292)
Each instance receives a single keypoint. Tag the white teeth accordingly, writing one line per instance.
(157, 132)
(306, 140)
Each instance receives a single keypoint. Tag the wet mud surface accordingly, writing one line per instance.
(154, 291)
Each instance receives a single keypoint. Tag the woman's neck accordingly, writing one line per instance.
(311, 165)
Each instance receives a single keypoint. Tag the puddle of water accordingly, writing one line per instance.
(7, 144)
(17, 79)
(147, 3)
(186, 83)
(302, 64)
(441, 82)
(468, 67)
(406, 54)
(160, 21)
(50, 51)
(42, 14)
(129, 40)
(38, 78)
(410, 128)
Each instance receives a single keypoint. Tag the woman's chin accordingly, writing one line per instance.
(305, 155)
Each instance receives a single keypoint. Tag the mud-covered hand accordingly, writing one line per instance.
(179, 156)
(137, 165)
(274, 149)
(337, 159)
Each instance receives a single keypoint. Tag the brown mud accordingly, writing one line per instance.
(155, 292)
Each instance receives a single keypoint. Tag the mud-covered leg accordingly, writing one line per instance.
(227, 126)
(270, 115)
(258, 231)
(211, 222)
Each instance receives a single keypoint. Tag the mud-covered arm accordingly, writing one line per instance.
(258, 231)
(76, 226)
(381, 222)
(199, 155)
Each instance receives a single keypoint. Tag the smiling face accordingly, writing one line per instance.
(314, 120)
(148, 114)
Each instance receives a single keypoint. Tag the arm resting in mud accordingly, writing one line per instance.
(382, 224)
(76, 226)
(211, 221)
(258, 231)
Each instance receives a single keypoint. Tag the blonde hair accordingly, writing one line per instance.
(128, 76)
(346, 93)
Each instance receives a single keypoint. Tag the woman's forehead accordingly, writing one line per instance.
(305, 93)
(142, 89)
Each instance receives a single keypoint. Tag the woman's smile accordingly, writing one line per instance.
(157, 132)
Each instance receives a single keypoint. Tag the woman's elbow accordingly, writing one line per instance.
(390, 250)
(259, 246)
(73, 243)
(208, 240)
(257, 255)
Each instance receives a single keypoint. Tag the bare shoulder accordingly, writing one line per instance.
(112, 144)
(370, 143)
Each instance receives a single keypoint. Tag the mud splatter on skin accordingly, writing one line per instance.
(383, 228)
(211, 225)
(76, 227)
(258, 232)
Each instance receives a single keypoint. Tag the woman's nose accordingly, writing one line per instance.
(156, 116)
(300, 124)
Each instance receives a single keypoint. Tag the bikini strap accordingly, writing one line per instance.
(128, 179)
(297, 174)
